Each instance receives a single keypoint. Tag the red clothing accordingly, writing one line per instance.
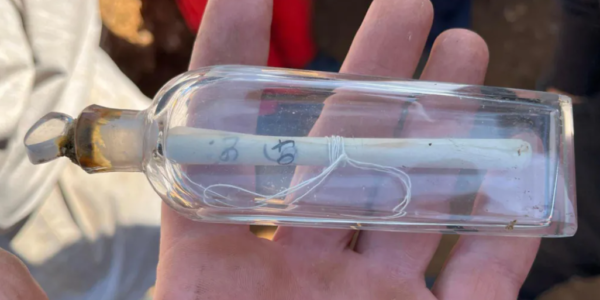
(291, 45)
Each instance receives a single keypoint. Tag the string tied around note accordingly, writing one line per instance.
(337, 158)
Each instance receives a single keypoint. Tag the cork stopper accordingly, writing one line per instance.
(49, 138)
(99, 140)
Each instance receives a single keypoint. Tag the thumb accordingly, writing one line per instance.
(16, 281)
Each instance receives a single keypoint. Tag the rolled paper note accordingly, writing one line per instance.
(186, 145)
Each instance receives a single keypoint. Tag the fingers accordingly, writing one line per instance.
(486, 268)
(388, 43)
(496, 267)
(391, 39)
(16, 281)
(457, 56)
(232, 32)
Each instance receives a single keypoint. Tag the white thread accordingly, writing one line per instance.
(337, 156)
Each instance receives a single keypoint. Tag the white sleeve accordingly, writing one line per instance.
(89, 236)
(49, 61)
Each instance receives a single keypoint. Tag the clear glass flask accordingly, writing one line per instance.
(254, 145)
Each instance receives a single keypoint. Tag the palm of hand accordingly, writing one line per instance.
(238, 265)
(212, 261)
(246, 267)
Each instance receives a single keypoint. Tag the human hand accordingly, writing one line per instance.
(215, 261)
(15, 280)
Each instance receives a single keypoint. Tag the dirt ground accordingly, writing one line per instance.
(520, 35)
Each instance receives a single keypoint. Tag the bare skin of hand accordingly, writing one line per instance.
(215, 261)
(16, 281)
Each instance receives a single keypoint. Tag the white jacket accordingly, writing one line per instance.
(85, 236)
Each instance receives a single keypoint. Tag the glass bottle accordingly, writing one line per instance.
(255, 145)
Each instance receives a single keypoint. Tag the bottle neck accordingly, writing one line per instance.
(108, 140)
